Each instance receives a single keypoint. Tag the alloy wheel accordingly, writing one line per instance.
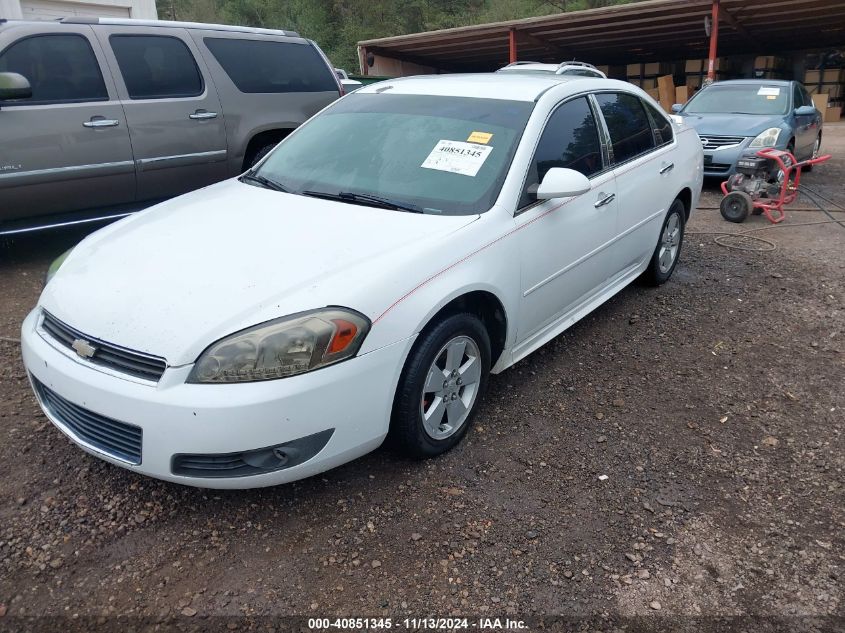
(670, 243)
(451, 387)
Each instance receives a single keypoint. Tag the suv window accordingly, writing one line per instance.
(570, 139)
(156, 66)
(581, 72)
(629, 127)
(265, 66)
(60, 69)
(660, 124)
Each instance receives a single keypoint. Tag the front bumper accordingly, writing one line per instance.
(722, 162)
(354, 398)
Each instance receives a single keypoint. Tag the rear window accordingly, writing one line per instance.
(265, 66)
(156, 66)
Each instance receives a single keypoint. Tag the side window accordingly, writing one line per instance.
(629, 127)
(266, 66)
(808, 100)
(156, 66)
(661, 125)
(570, 139)
(60, 69)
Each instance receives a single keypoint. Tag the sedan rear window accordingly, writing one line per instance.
(447, 155)
(263, 66)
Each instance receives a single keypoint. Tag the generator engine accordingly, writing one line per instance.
(758, 176)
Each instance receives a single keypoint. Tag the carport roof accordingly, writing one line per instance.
(650, 30)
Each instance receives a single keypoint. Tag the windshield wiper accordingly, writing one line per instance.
(263, 181)
(366, 198)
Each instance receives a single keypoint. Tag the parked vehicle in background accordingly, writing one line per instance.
(752, 114)
(410, 239)
(578, 69)
(123, 113)
(348, 84)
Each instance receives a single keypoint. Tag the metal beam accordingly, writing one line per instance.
(714, 42)
(512, 46)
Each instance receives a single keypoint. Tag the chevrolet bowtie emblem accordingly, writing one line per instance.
(83, 348)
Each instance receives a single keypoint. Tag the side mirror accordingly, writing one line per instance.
(562, 183)
(14, 86)
(806, 110)
(677, 107)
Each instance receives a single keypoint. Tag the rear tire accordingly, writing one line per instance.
(449, 363)
(736, 206)
(668, 249)
(261, 153)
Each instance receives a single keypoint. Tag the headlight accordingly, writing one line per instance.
(769, 138)
(54, 267)
(283, 347)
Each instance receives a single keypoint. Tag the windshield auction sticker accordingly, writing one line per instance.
(457, 157)
(480, 137)
(768, 91)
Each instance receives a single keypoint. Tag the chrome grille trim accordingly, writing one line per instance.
(108, 355)
(715, 141)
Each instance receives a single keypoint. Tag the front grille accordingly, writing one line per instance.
(715, 142)
(118, 439)
(105, 354)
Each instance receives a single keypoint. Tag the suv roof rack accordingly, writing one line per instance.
(174, 24)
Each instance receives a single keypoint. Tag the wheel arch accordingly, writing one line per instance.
(685, 196)
(484, 304)
(261, 139)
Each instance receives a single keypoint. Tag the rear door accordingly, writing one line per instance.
(175, 119)
(67, 148)
(641, 148)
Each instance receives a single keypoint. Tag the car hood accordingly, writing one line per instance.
(173, 279)
(732, 124)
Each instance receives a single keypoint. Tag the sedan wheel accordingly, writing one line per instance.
(668, 249)
(451, 387)
(441, 385)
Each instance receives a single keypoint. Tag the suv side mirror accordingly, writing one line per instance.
(805, 110)
(560, 182)
(14, 86)
(677, 107)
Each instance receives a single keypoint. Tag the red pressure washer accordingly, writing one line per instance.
(765, 182)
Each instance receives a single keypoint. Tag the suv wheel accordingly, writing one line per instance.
(441, 385)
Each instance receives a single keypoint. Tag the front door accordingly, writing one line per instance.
(563, 241)
(67, 147)
(175, 118)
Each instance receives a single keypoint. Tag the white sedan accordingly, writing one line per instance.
(364, 280)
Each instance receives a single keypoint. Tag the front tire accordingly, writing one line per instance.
(441, 386)
(668, 249)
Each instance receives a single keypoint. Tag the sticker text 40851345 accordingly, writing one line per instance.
(457, 157)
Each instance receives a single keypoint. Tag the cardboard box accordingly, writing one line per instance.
(833, 114)
(654, 93)
(820, 101)
(701, 66)
(833, 91)
(827, 76)
(652, 69)
(682, 94)
(604, 69)
(666, 88)
(768, 62)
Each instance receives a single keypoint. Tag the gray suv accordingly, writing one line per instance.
(102, 117)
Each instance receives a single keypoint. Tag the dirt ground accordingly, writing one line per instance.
(713, 406)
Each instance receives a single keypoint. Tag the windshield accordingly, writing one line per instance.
(739, 99)
(446, 155)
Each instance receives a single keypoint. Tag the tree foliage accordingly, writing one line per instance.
(338, 25)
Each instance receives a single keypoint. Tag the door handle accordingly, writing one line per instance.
(606, 198)
(200, 115)
(101, 122)
(667, 168)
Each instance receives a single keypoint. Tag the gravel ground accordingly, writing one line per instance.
(679, 454)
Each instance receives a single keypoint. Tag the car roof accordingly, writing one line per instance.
(154, 23)
(511, 86)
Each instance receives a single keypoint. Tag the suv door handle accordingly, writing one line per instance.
(200, 115)
(606, 198)
(101, 122)
(667, 168)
